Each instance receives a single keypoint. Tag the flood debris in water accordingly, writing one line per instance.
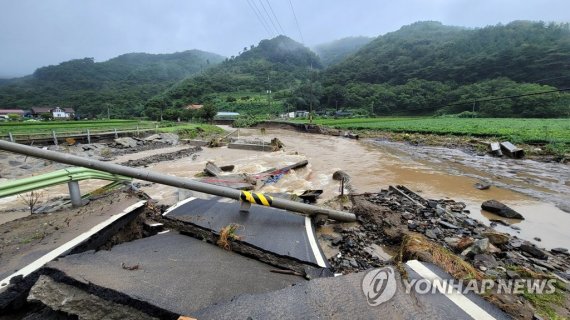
(501, 209)
(511, 150)
(439, 232)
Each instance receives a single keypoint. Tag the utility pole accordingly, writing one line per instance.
(372, 109)
(108, 113)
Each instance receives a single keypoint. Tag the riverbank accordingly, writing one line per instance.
(541, 139)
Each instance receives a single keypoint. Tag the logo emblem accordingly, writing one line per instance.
(379, 285)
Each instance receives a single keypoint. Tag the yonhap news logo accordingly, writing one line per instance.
(379, 285)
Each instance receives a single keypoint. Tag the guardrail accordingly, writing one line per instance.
(85, 134)
(69, 175)
(247, 198)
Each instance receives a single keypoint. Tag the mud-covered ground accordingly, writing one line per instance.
(28, 238)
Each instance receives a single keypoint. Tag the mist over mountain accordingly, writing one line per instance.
(421, 68)
(336, 51)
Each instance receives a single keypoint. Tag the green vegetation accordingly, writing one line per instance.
(424, 68)
(242, 83)
(556, 131)
(121, 84)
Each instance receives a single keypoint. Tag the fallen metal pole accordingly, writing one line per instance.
(171, 180)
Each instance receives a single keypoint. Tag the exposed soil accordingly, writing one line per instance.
(26, 239)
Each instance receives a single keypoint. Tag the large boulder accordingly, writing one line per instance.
(500, 209)
(126, 142)
(168, 138)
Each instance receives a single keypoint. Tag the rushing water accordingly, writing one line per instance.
(537, 190)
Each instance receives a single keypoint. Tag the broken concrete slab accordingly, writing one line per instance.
(267, 147)
(501, 209)
(273, 230)
(126, 142)
(511, 150)
(74, 301)
(176, 272)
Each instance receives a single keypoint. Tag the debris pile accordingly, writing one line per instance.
(386, 217)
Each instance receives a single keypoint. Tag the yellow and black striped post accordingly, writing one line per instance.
(256, 198)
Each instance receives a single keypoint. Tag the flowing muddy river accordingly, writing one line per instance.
(536, 190)
(532, 188)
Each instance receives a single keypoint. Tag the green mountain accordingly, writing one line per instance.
(425, 66)
(522, 51)
(336, 51)
(124, 83)
(241, 83)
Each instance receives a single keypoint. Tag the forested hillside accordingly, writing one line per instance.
(241, 83)
(123, 83)
(336, 51)
(425, 68)
(422, 67)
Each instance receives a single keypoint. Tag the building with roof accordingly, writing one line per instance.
(6, 112)
(56, 112)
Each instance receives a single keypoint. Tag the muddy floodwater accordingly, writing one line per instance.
(539, 191)
(536, 190)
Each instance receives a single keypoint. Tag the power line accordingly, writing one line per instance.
(259, 18)
(551, 79)
(275, 16)
(269, 17)
(296, 22)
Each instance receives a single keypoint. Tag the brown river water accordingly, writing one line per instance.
(537, 190)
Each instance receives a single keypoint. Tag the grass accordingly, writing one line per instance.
(414, 246)
(515, 130)
(228, 234)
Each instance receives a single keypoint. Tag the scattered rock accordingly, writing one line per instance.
(482, 186)
(501, 209)
(533, 251)
(559, 250)
(486, 260)
(480, 246)
(448, 225)
(431, 234)
(497, 238)
(537, 239)
(126, 142)
(513, 275)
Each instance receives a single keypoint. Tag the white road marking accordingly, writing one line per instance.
(68, 246)
(456, 297)
(313, 243)
(178, 204)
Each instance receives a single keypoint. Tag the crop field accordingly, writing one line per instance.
(516, 130)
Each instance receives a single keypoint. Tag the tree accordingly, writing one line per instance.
(31, 199)
(208, 112)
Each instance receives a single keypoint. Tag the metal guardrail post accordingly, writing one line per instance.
(88, 136)
(116, 134)
(177, 182)
(74, 193)
(11, 136)
(54, 137)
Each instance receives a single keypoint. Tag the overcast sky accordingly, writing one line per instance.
(35, 33)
